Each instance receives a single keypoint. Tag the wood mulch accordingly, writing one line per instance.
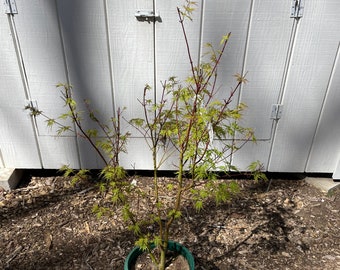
(49, 224)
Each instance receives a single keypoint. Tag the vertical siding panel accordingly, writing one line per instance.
(132, 58)
(170, 48)
(84, 33)
(38, 33)
(17, 140)
(313, 57)
(171, 52)
(265, 55)
(220, 18)
(269, 37)
(258, 46)
(325, 151)
(109, 56)
(132, 54)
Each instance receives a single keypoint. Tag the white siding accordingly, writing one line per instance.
(17, 137)
(85, 39)
(42, 53)
(269, 32)
(313, 57)
(132, 56)
(108, 56)
(325, 151)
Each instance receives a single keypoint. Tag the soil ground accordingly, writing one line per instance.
(49, 224)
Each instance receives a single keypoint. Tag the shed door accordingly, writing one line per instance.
(109, 56)
(18, 145)
(260, 46)
(41, 49)
(97, 46)
(308, 81)
(260, 41)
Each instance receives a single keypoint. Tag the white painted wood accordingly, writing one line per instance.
(43, 59)
(132, 56)
(313, 56)
(171, 52)
(85, 39)
(42, 55)
(88, 157)
(326, 145)
(258, 46)
(269, 36)
(17, 142)
(251, 152)
(59, 151)
(220, 18)
(109, 56)
(138, 156)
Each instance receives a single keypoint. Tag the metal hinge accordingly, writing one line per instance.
(276, 112)
(297, 9)
(10, 7)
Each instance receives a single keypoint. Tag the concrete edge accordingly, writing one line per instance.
(326, 185)
(10, 178)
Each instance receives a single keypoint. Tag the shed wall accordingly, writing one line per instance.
(108, 56)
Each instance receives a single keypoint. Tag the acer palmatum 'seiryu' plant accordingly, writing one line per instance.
(183, 123)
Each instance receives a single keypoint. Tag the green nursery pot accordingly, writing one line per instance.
(172, 246)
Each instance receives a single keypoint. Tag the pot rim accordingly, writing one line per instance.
(172, 246)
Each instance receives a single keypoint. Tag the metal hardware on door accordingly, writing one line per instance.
(147, 15)
(297, 8)
(276, 112)
(10, 7)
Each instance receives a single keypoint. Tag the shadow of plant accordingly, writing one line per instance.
(22, 202)
(267, 231)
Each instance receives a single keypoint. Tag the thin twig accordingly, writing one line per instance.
(14, 254)
(86, 190)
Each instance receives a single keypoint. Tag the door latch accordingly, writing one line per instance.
(147, 15)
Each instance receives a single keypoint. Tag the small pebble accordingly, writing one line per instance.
(285, 254)
(329, 257)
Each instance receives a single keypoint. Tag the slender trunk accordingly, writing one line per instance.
(177, 206)
(155, 182)
(164, 249)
